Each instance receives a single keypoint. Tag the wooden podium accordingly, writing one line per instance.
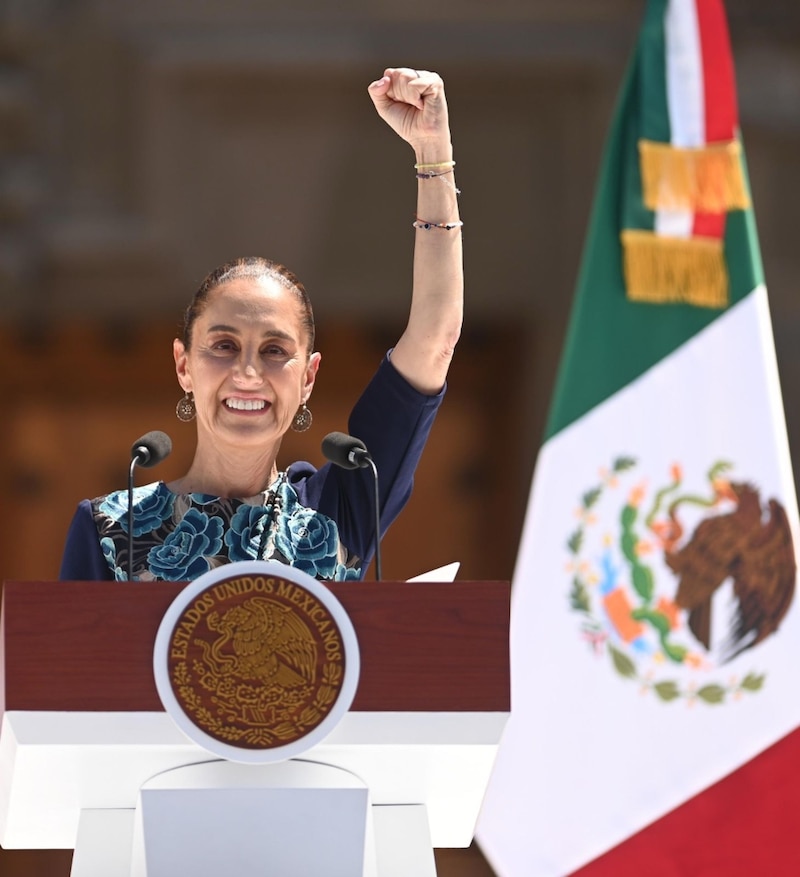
(83, 730)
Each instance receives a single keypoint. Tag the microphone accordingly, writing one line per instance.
(345, 451)
(151, 448)
(147, 451)
(351, 453)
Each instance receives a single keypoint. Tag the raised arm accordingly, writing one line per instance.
(412, 103)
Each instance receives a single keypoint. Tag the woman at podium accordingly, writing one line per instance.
(247, 365)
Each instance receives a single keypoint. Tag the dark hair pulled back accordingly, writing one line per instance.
(255, 267)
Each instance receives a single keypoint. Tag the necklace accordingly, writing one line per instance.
(272, 506)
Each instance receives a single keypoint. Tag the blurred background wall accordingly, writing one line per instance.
(142, 143)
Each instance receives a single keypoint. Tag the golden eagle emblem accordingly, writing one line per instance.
(264, 641)
(256, 662)
(752, 546)
(681, 580)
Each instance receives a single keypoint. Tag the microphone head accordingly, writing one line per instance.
(345, 450)
(151, 448)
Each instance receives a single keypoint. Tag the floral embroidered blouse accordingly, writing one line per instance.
(180, 537)
(318, 520)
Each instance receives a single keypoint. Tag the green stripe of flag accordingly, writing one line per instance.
(652, 75)
(610, 340)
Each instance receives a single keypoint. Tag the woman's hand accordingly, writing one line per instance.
(413, 104)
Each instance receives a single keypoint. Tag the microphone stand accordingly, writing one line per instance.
(351, 453)
(151, 448)
(378, 567)
(134, 461)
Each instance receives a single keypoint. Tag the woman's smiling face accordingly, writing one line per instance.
(248, 363)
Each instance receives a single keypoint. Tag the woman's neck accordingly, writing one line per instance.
(236, 475)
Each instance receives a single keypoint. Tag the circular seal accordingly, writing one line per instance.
(256, 661)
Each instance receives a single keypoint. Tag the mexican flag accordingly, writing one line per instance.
(655, 630)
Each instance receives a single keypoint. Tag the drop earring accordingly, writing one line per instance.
(302, 420)
(185, 410)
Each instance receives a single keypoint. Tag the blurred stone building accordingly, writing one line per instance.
(142, 143)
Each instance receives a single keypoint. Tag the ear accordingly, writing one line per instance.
(310, 375)
(182, 365)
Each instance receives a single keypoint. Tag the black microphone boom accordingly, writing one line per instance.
(351, 453)
(150, 449)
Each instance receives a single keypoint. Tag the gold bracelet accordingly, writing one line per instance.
(421, 167)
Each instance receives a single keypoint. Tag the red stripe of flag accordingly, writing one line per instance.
(721, 116)
(741, 826)
(719, 87)
(709, 225)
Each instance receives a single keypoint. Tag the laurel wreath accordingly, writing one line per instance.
(665, 690)
(287, 729)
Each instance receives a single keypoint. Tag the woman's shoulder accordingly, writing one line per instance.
(301, 473)
(115, 504)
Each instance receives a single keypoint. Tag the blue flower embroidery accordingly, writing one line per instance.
(244, 534)
(309, 540)
(151, 506)
(182, 537)
(347, 573)
(183, 556)
(110, 554)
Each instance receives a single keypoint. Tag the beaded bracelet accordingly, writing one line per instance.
(440, 176)
(447, 226)
(429, 175)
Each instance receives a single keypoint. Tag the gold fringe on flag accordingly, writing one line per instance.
(709, 179)
(667, 270)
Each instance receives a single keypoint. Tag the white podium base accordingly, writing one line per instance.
(72, 780)
(403, 841)
(290, 819)
(104, 844)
